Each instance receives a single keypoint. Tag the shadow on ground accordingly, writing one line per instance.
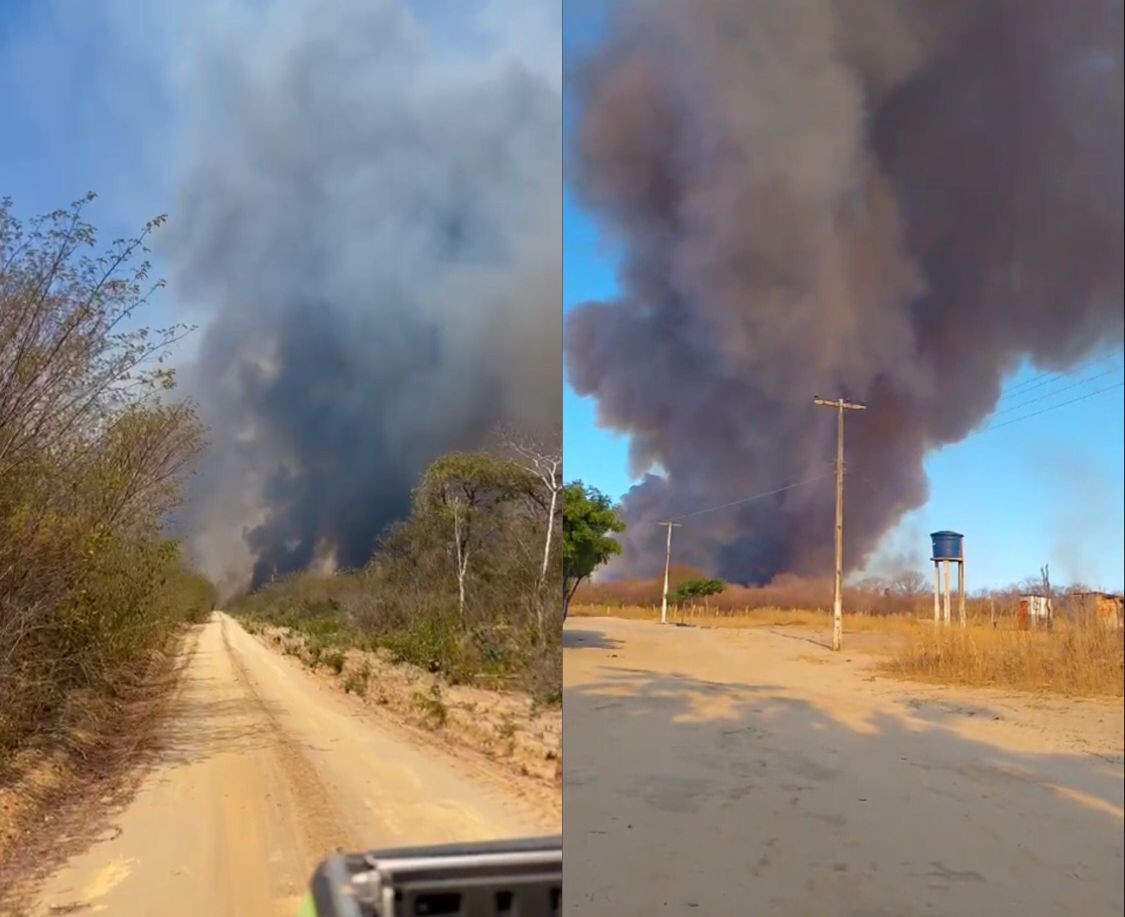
(575, 638)
(685, 795)
(825, 642)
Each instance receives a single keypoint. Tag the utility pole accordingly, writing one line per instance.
(667, 564)
(837, 586)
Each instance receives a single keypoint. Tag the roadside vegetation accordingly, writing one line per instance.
(92, 451)
(467, 587)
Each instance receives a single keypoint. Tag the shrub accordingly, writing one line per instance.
(335, 661)
(356, 680)
(432, 707)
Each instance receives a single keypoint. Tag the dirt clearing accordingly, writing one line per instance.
(745, 777)
(261, 770)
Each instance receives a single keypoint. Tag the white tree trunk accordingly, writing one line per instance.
(546, 556)
(550, 533)
(462, 559)
(545, 466)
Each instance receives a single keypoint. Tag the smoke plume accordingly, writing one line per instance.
(372, 219)
(892, 201)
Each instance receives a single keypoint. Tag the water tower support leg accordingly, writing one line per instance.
(937, 595)
(961, 591)
(945, 589)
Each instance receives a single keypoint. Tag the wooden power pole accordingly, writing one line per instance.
(667, 564)
(837, 586)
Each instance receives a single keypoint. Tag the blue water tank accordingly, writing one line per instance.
(947, 545)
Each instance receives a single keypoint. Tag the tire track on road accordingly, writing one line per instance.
(318, 819)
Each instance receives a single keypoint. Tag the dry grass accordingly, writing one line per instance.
(813, 619)
(785, 591)
(1077, 658)
(1073, 659)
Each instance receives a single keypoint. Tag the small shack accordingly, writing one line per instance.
(1106, 608)
(1034, 612)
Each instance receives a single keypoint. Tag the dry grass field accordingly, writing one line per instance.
(1081, 659)
(893, 625)
(1076, 658)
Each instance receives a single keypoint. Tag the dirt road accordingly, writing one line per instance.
(752, 772)
(261, 770)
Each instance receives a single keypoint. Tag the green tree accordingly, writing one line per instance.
(696, 589)
(462, 493)
(589, 523)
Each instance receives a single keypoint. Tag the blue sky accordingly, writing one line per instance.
(87, 107)
(1041, 489)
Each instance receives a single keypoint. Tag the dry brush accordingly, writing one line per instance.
(92, 452)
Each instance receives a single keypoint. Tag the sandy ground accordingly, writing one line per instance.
(508, 727)
(713, 771)
(261, 770)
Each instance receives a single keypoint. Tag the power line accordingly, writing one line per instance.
(1054, 375)
(752, 497)
(818, 477)
(1061, 404)
(1039, 379)
(864, 479)
(1051, 393)
(1034, 381)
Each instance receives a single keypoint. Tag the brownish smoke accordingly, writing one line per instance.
(894, 201)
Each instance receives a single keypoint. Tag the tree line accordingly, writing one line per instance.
(467, 585)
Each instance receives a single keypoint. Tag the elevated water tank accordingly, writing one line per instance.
(947, 545)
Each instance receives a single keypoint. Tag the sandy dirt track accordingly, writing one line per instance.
(261, 770)
(754, 772)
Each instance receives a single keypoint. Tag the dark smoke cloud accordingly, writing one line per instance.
(894, 201)
(373, 217)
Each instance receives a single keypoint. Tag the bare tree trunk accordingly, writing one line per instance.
(550, 532)
(544, 460)
(542, 585)
(568, 594)
(462, 559)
